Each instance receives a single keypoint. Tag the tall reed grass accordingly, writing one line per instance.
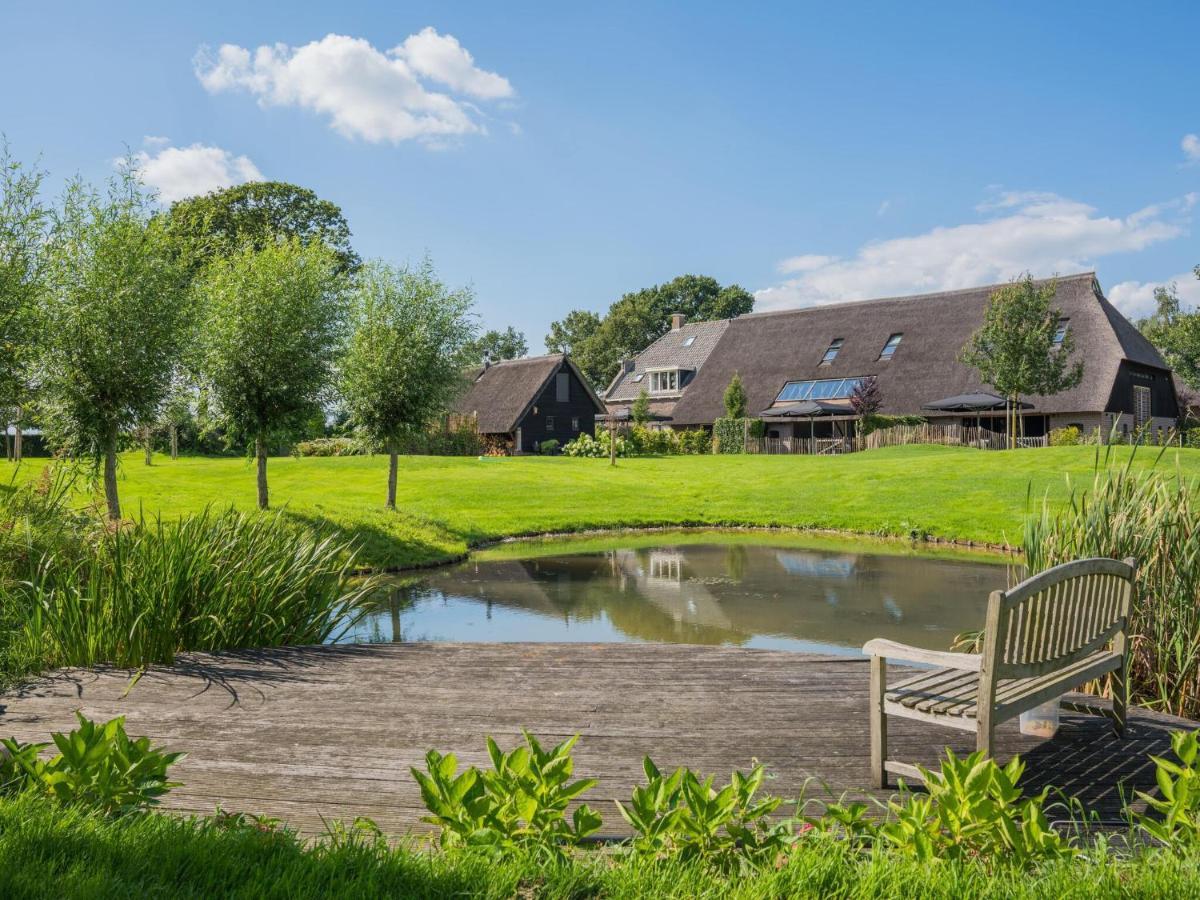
(75, 592)
(1153, 517)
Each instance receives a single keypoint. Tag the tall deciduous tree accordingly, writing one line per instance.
(24, 226)
(403, 363)
(497, 345)
(639, 318)
(258, 214)
(572, 333)
(1015, 351)
(274, 322)
(1175, 333)
(116, 319)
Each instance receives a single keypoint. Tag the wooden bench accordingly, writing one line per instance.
(1042, 638)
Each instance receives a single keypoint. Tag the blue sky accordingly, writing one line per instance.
(557, 155)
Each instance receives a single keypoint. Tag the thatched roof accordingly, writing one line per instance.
(501, 394)
(771, 349)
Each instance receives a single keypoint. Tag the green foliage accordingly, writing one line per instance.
(686, 817)
(729, 435)
(336, 446)
(1068, 436)
(639, 410)
(548, 447)
(1175, 333)
(497, 345)
(735, 398)
(640, 318)
(1014, 349)
(520, 804)
(116, 320)
(1191, 437)
(256, 215)
(98, 766)
(596, 447)
(640, 441)
(1173, 817)
(876, 422)
(695, 441)
(1152, 517)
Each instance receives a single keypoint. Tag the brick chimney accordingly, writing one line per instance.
(677, 320)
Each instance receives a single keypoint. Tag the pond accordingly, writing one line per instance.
(748, 590)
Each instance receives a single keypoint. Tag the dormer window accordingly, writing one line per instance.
(889, 349)
(1060, 333)
(832, 352)
(665, 381)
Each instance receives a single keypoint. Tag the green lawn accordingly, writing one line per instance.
(447, 505)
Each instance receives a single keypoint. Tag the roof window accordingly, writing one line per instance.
(889, 349)
(832, 352)
(1060, 333)
(689, 340)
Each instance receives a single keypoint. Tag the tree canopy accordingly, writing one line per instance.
(1175, 333)
(117, 314)
(498, 345)
(255, 214)
(404, 359)
(1015, 350)
(274, 323)
(639, 318)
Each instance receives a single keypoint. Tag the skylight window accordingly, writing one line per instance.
(689, 340)
(889, 349)
(832, 352)
(638, 377)
(1060, 333)
(818, 389)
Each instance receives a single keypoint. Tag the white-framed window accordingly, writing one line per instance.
(575, 423)
(1141, 405)
(664, 382)
(549, 423)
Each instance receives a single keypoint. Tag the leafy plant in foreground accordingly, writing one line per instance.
(682, 815)
(1178, 822)
(98, 766)
(520, 804)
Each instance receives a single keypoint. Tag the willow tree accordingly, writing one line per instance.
(273, 326)
(404, 359)
(1015, 350)
(24, 226)
(116, 318)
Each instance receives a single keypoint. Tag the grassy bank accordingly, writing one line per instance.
(449, 504)
(49, 852)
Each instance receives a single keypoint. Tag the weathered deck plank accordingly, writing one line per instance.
(330, 732)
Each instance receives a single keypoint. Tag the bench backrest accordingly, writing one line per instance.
(1057, 617)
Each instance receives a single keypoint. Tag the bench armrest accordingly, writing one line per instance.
(966, 662)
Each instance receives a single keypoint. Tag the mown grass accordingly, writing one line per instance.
(447, 505)
(49, 852)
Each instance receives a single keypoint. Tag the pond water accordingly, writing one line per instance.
(764, 593)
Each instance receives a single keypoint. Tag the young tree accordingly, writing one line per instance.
(404, 360)
(865, 398)
(735, 398)
(24, 226)
(274, 321)
(1175, 333)
(116, 319)
(1015, 351)
(639, 410)
(176, 412)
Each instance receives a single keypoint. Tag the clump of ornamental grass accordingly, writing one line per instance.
(1154, 517)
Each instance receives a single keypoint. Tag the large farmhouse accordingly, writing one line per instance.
(800, 366)
(521, 403)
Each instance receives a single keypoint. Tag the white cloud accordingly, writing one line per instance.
(1191, 147)
(1037, 232)
(1136, 298)
(804, 263)
(178, 172)
(365, 92)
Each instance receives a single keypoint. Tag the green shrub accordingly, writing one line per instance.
(1175, 818)
(1068, 436)
(548, 447)
(595, 447)
(877, 422)
(729, 435)
(1191, 437)
(695, 441)
(335, 446)
(519, 805)
(98, 766)
(683, 816)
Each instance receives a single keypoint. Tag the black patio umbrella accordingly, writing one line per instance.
(805, 409)
(977, 403)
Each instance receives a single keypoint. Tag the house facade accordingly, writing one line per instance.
(521, 403)
(800, 366)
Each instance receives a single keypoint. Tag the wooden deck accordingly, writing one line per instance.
(330, 732)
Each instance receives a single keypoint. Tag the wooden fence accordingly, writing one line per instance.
(896, 436)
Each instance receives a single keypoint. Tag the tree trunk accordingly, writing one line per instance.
(149, 449)
(174, 442)
(393, 460)
(110, 477)
(612, 441)
(394, 602)
(17, 441)
(260, 456)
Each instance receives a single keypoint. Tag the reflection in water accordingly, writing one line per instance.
(754, 596)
